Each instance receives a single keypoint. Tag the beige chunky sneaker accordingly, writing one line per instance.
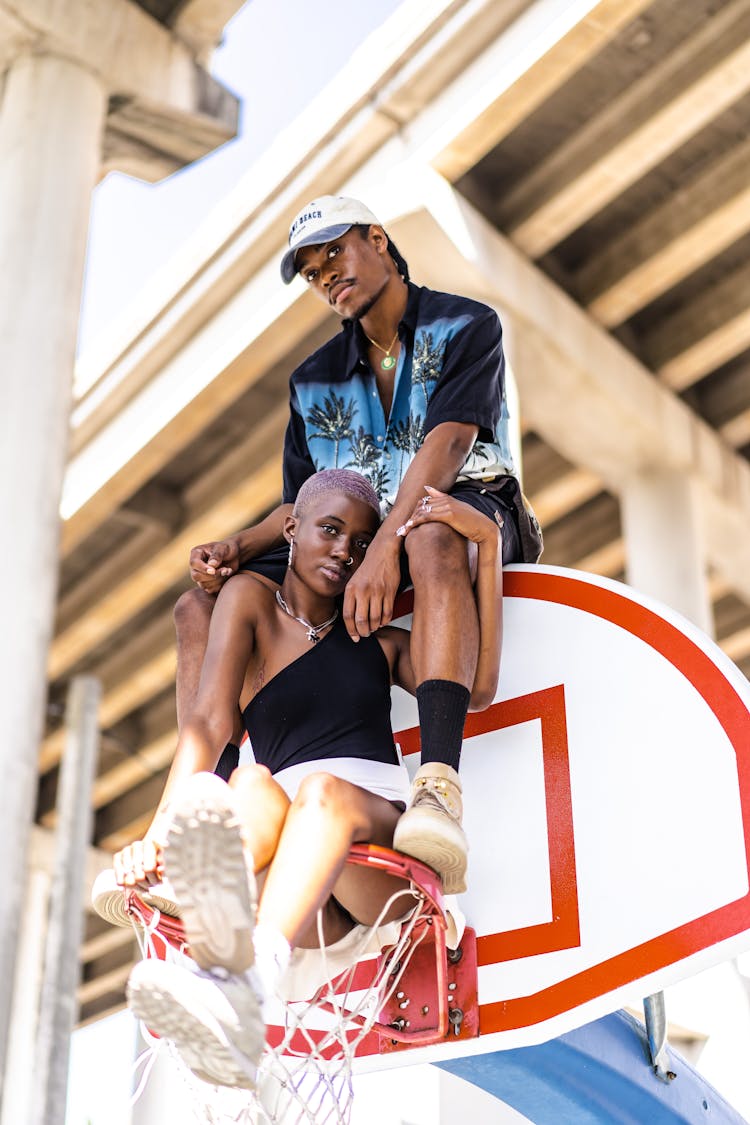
(110, 901)
(216, 1023)
(430, 828)
(206, 864)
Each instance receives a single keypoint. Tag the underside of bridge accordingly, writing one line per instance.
(591, 180)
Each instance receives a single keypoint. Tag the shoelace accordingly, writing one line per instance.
(427, 796)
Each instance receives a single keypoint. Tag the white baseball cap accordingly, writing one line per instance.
(321, 221)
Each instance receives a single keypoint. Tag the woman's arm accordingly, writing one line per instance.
(395, 644)
(479, 529)
(204, 735)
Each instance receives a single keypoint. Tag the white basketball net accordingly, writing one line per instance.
(307, 1075)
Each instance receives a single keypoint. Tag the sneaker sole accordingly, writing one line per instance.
(110, 902)
(434, 841)
(205, 862)
(201, 1041)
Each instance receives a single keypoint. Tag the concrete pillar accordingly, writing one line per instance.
(51, 120)
(664, 543)
(22, 1057)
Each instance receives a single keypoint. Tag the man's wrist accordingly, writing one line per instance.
(387, 541)
(246, 548)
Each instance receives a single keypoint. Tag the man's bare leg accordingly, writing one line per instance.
(192, 619)
(445, 627)
(444, 649)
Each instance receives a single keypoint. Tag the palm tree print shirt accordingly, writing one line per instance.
(450, 369)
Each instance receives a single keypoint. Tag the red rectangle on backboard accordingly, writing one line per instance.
(563, 930)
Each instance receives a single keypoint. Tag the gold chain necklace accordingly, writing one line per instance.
(313, 631)
(388, 362)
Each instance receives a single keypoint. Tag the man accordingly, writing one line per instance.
(411, 394)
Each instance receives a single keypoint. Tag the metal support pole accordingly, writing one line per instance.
(655, 1012)
(58, 1007)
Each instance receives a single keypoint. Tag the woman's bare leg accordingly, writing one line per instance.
(327, 816)
(262, 808)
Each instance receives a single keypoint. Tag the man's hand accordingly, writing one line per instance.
(212, 563)
(371, 591)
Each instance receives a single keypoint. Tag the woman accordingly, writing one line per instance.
(316, 707)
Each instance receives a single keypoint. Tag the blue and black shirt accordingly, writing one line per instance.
(450, 369)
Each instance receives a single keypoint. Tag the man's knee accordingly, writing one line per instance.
(436, 554)
(192, 613)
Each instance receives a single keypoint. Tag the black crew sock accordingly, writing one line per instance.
(228, 762)
(443, 705)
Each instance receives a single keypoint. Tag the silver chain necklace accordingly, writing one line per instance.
(313, 631)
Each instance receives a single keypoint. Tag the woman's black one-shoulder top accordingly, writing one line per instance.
(334, 701)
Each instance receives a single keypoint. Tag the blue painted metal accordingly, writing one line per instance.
(599, 1074)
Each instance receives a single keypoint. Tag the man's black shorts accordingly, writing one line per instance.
(485, 499)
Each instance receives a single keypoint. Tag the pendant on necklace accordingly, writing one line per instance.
(388, 362)
(313, 631)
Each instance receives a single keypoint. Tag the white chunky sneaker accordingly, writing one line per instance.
(109, 900)
(430, 828)
(205, 862)
(215, 1024)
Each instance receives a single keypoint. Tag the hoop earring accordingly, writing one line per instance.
(290, 560)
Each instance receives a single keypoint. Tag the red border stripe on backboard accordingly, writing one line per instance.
(562, 932)
(731, 712)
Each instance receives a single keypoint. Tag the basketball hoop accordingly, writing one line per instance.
(413, 992)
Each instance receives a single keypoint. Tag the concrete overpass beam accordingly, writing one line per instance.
(165, 110)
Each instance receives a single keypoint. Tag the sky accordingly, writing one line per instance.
(275, 56)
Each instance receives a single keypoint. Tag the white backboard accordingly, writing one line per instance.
(607, 802)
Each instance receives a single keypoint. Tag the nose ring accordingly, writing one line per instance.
(349, 561)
